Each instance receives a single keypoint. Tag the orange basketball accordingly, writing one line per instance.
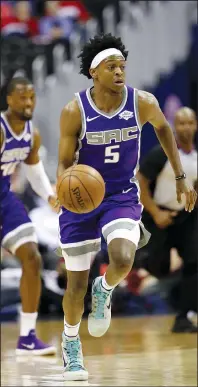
(80, 189)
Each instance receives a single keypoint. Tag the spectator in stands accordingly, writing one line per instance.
(60, 18)
(74, 9)
(170, 225)
(21, 22)
(6, 9)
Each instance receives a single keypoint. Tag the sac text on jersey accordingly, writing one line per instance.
(106, 137)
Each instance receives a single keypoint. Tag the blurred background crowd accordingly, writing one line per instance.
(41, 39)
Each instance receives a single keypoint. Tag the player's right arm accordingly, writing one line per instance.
(70, 125)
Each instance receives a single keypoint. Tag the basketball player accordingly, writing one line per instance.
(101, 127)
(20, 143)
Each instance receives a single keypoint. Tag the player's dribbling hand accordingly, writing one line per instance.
(54, 203)
(183, 187)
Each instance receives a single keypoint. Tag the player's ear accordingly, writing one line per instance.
(93, 73)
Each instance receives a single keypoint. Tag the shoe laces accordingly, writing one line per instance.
(72, 349)
(99, 299)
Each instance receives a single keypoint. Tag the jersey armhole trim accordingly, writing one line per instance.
(83, 118)
(136, 110)
(4, 140)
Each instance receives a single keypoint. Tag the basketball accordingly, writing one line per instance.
(80, 189)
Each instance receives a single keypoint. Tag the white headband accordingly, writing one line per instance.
(103, 55)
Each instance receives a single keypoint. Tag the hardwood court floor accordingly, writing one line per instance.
(134, 352)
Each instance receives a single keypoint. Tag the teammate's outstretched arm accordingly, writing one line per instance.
(70, 125)
(151, 112)
(36, 175)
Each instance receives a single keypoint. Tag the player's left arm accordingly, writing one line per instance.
(150, 111)
(36, 174)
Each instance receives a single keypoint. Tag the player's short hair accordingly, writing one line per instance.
(96, 45)
(17, 81)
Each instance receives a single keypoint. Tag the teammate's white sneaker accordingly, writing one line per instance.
(100, 317)
(73, 359)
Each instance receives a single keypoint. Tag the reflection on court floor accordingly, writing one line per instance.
(134, 352)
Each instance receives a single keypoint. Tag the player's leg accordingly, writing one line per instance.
(121, 257)
(30, 284)
(121, 251)
(73, 307)
(120, 225)
(79, 243)
(73, 300)
(18, 237)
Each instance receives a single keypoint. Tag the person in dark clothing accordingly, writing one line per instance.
(166, 219)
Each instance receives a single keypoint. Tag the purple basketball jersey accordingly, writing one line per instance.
(15, 149)
(110, 143)
(16, 226)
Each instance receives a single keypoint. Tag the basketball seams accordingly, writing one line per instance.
(87, 173)
(70, 175)
(85, 189)
(60, 184)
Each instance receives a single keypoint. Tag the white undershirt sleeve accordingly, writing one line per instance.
(38, 180)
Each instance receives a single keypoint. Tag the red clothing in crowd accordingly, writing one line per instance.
(12, 24)
(74, 8)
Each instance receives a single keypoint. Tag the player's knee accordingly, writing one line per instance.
(122, 256)
(34, 262)
(123, 262)
(30, 258)
(77, 289)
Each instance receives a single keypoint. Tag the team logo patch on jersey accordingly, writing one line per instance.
(27, 137)
(126, 115)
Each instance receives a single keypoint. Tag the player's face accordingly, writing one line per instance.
(186, 126)
(111, 74)
(22, 101)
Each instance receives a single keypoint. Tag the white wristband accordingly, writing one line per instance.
(38, 179)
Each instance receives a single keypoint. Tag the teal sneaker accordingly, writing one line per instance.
(73, 359)
(100, 317)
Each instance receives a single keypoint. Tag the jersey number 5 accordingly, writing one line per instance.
(110, 155)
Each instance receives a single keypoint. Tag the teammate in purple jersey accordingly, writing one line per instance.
(101, 127)
(21, 143)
